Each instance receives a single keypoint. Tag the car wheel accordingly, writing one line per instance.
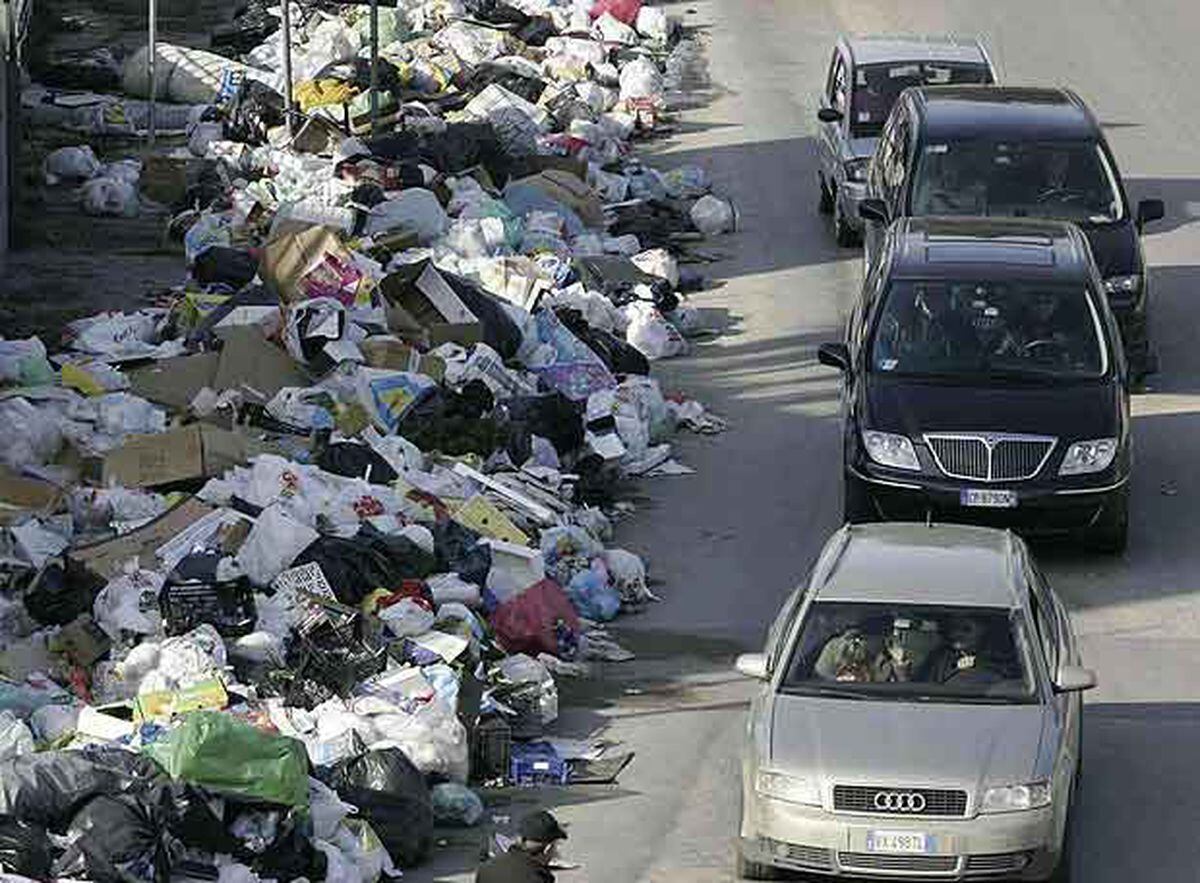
(845, 235)
(857, 507)
(748, 870)
(1111, 535)
(825, 205)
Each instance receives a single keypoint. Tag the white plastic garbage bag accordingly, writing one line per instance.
(473, 44)
(187, 660)
(109, 196)
(432, 736)
(35, 543)
(273, 544)
(415, 208)
(628, 575)
(651, 334)
(659, 262)
(641, 79)
(612, 30)
(686, 182)
(712, 215)
(450, 588)
(24, 362)
(326, 809)
(407, 618)
(653, 23)
(28, 435)
(129, 603)
(15, 738)
(70, 163)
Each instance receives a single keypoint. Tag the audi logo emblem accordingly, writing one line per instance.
(899, 801)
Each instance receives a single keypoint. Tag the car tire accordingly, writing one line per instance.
(845, 235)
(857, 507)
(748, 870)
(1111, 535)
(825, 204)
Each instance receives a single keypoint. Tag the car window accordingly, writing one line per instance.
(972, 328)
(777, 636)
(877, 86)
(909, 651)
(838, 86)
(1046, 625)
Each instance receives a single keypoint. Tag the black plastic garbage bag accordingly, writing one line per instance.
(24, 849)
(392, 795)
(553, 416)
(119, 839)
(48, 789)
(459, 551)
(356, 461)
(231, 266)
(358, 565)
(60, 592)
(618, 355)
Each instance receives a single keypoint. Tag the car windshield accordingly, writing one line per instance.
(1068, 180)
(1001, 329)
(877, 86)
(911, 652)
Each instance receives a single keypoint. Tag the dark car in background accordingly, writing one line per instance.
(985, 382)
(866, 75)
(997, 151)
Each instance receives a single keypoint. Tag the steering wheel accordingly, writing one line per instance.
(1062, 194)
(1056, 348)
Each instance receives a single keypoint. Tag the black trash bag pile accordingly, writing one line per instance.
(358, 565)
(354, 460)
(25, 849)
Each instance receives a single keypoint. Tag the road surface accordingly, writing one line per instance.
(730, 541)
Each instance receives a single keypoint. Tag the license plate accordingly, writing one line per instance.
(988, 498)
(906, 842)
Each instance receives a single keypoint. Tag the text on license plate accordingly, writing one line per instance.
(987, 497)
(899, 841)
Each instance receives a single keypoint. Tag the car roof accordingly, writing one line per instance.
(1015, 248)
(1039, 114)
(885, 48)
(936, 565)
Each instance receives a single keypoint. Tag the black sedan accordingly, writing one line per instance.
(985, 381)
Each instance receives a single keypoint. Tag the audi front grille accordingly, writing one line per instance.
(989, 456)
(913, 864)
(899, 801)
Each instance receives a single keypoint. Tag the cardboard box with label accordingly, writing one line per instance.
(295, 250)
(420, 304)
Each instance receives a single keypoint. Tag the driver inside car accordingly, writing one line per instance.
(964, 657)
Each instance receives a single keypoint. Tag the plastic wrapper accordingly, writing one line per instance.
(455, 804)
(712, 215)
(536, 621)
(272, 546)
(71, 164)
(15, 737)
(109, 196)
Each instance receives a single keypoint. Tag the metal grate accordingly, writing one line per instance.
(996, 863)
(809, 856)
(990, 456)
(862, 798)
(927, 864)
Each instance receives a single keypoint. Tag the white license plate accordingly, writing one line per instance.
(899, 841)
(988, 498)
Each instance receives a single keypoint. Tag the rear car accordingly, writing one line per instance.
(984, 381)
(1007, 152)
(919, 715)
(865, 77)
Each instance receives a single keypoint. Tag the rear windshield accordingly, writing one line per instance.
(877, 86)
(907, 651)
(974, 329)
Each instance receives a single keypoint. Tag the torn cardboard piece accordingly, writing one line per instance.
(296, 249)
(175, 382)
(196, 451)
(252, 364)
(107, 557)
(396, 355)
(20, 496)
(420, 304)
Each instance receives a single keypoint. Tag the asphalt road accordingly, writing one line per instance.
(730, 541)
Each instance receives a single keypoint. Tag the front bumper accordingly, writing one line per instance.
(1056, 508)
(850, 194)
(1014, 846)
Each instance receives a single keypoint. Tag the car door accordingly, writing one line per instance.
(831, 136)
(879, 175)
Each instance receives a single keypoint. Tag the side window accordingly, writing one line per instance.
(777, 636)
(839, 97)
(1045, 621)
(901, 148)
(879, 166)
(829, 75)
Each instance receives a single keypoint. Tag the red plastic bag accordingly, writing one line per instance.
(526, 623)
(622, 10)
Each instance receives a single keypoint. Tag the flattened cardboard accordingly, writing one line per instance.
(107, 557)
(20, 495)
(175, 382)
(196, 451)
(251, 363)
(165, 178)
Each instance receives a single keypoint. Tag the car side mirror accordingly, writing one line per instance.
(752, 665)
(1074, 679)
(829, 115)
(873, 210)
(835, 355)
(1150, 210)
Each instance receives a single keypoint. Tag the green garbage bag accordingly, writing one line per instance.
(223, 754)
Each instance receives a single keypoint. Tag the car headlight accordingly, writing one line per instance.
(788, 788)
(1013, 798)
(1083, 457)
(856, 170)
(1122, 284)
(889, 449)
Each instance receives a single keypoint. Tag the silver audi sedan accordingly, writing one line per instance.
(919, 715)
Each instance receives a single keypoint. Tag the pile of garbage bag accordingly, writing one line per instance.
(292, 563)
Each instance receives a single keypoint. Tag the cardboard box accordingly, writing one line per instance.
(209, 695)
(421, 304)
(394, 354)
(295, 249)
(564, 187)
(107, 557)
(165, 179)
(196, 451)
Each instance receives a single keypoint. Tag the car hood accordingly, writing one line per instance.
(863, 147)
(1115, 248)
(911, 407)
(904, 744)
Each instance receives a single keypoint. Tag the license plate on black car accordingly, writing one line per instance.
(987, 498)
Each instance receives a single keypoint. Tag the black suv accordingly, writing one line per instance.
(999, 151)
(985, 381)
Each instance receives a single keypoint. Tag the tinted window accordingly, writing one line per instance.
(1069, 180)
(877, 86)
(971, 328)
(910, 651)
(837, 93)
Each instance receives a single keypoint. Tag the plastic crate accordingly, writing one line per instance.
(533, 767)
(227, 607)
(491, 750)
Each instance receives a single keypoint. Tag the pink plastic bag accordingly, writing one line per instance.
(622, 10)
(526, 623)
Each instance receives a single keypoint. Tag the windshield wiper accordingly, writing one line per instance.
(831, 692)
